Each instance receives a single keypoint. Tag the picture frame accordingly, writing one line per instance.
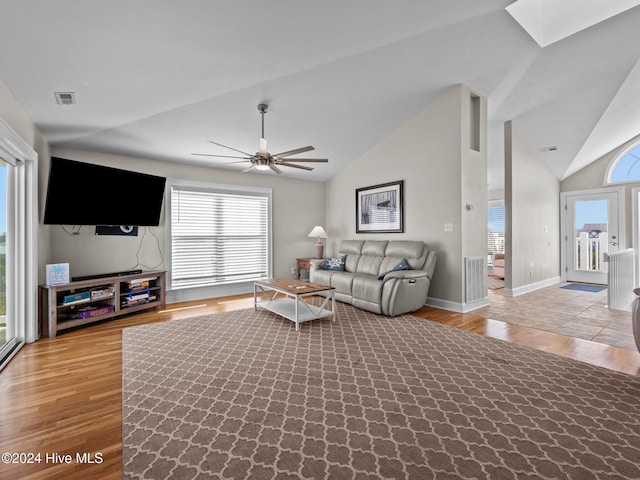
(380, 208)
(57, 273)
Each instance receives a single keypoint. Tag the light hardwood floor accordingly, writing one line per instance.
(63, 395)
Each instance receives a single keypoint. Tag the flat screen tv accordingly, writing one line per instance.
(81, 193)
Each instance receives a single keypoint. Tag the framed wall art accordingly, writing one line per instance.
(379, 208)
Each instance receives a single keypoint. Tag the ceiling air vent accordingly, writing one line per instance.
(65, 98)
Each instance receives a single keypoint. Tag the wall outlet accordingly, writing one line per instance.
(293, 270)
(448, 227)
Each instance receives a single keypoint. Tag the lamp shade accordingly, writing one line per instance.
(318, 232)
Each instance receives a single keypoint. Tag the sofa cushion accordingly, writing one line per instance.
(369, 265)
(334, 263)
(402, 265)
(404, 249)
(374, 248)
(367, 288)
(322, 276)
(414, 252)
(351, 265)
(351, 246)
(342, 282)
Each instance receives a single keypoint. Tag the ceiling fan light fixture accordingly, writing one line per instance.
(262, 146)
(262, 163)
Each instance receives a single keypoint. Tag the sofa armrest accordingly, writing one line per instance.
(404, 291)
(315, 263)
(409, 274)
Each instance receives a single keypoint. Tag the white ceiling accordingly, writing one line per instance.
(158, 78)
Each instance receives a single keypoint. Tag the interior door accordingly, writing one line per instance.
(591, 231)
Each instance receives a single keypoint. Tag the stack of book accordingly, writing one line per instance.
(102, 293)
(138, 292)
(95, 311)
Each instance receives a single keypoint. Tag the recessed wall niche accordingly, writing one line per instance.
(474, 119)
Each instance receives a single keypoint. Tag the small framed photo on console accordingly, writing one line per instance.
(57, 273)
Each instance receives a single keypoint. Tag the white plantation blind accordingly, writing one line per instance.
(218, 237)
(495, 228)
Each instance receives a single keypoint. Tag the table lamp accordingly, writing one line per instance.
(319, 233)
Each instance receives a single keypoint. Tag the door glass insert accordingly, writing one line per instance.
(4, 336)
(591, 233)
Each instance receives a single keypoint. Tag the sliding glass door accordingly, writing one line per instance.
(3, 261)
(7, 328)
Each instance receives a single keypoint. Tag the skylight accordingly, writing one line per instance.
(548, 21)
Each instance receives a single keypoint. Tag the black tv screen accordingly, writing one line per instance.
(86, 194)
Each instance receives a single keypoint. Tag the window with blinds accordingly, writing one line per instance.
(495, 229)
(218, 237)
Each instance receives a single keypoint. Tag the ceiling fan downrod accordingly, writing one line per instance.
(262, 142)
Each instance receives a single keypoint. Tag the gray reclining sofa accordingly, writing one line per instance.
(387, 277)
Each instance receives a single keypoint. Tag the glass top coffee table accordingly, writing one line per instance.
(286, 297)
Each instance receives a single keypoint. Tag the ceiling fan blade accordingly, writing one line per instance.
(248, 169)
(305, 160)
(275, 169)
(221, 156)
(230, 148)
(295, 151)
(295, 166)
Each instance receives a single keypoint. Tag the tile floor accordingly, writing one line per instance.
(569, 312)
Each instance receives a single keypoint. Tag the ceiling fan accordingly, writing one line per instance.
(262, 159)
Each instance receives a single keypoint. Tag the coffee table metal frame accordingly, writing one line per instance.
(285, 297)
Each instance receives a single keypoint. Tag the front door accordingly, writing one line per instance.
(591, 231)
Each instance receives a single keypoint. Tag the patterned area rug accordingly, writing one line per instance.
(242, 395)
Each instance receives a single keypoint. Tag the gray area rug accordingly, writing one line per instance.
(242, 395)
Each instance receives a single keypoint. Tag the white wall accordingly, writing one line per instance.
(15, 116)
(532, 217)
(427, 153)
(298, 205)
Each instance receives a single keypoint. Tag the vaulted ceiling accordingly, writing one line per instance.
(159, 78)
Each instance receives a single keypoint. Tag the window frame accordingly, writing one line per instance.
(22, 237)
(613, 164)
(199, 292)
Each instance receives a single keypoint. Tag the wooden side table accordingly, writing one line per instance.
(303, 264)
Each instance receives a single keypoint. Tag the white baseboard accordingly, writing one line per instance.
(457, 307)
(202, 293)
(460, 307)
(532, 287)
